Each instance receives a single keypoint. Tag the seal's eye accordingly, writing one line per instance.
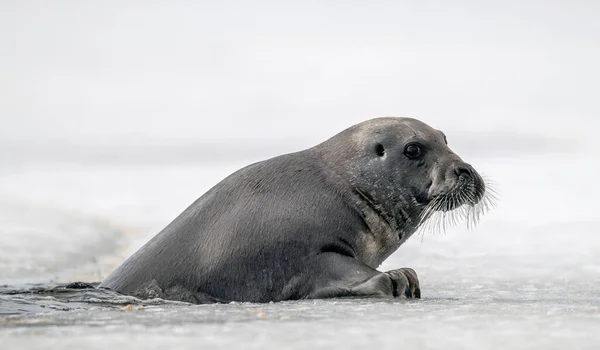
(412, 151)
(379, 150)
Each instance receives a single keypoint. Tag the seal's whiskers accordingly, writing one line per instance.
(456, 207)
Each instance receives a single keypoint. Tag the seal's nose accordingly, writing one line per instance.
(465, 173)
(464, 170)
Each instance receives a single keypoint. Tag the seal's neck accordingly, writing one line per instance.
(383, 233)
(378, 218)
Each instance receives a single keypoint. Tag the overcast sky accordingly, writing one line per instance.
(213, 70)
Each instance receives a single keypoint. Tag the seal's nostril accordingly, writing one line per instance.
(463, 169)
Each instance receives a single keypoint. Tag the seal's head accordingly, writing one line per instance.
(405, 171)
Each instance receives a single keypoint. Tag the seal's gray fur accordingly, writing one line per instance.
(311, 224)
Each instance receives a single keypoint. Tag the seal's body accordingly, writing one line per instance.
(311, 224)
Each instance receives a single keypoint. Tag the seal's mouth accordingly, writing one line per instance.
(466, 200)
(468, 190)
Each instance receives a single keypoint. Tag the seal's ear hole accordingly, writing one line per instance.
(379, 150)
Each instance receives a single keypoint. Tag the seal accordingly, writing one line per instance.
(311, 224)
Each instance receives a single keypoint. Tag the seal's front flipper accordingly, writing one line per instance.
(332, 275)
(412, 288)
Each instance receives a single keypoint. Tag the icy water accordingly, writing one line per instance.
(528, 277)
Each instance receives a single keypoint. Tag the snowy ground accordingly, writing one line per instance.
(527, 277)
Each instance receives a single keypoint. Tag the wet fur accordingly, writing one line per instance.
(310, 224)
(247, 237)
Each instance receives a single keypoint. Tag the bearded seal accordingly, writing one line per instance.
(311, 224)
